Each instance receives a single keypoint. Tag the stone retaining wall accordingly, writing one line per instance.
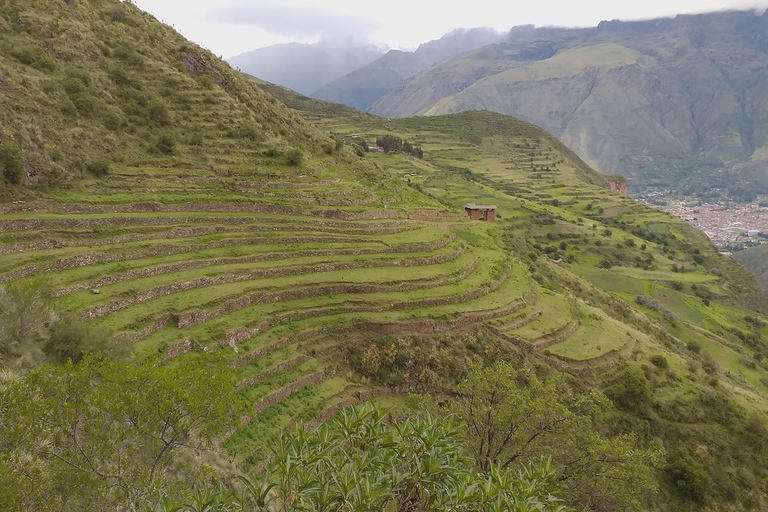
(558, 336)
(202, 282)
(283, 393)
(426, 326)
(190, 265)
(196, 317)
(167, 250)
(522, 322)
(195, 232)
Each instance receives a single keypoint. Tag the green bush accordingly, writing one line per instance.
(166, 144)
(295, 157)
(71, 338)
(116, 13)
(158, 112)
(34, 57)
(195, 139)
(689, 478)
(98, 167)
(273, 151)
(660, 361)
(11, 163)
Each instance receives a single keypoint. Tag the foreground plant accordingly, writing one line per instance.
(359, 461)
(105, 435)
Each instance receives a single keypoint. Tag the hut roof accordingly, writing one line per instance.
(473, 206)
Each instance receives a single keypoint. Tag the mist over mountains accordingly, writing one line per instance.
(306, 67)
(362, 87)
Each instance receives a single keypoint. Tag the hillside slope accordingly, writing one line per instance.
(84, 84)
(658, 101)
(755, 259)
(624, 294)
(362, 87)
(217, 221)
(306, 67)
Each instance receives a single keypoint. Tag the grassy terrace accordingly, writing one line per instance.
(591, 248)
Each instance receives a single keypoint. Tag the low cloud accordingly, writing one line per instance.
(296, 21)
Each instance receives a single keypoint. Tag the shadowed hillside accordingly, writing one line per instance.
(668, 103)
(755, 259)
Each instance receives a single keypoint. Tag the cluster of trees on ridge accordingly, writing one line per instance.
(392, 144)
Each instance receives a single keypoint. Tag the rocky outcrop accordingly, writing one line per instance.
(618, 187)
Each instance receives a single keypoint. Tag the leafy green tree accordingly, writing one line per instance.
(359, 462)
(25, 315)
(512, 417)
(104, 435)
(11, 163)
(295, 157)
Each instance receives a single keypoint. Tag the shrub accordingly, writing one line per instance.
(273, 151)
(158, 112)
(605, 263)
(166, 144)
(112, 120)
(34, 57)
(694, 347)
(689, 478)
(71, 338)
(660, 361)
(247, 131)
(116, 13)
(676, 286)
(295, 157)
(98, 167)
(195, 139)
(11, 163)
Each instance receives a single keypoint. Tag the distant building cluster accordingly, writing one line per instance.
(729, 226)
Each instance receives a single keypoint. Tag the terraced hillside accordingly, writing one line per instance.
(613, 289)
(231, 226)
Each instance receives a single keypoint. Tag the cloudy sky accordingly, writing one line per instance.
(230, 27)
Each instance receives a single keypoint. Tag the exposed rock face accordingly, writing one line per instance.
(618, 187)
(655, 100)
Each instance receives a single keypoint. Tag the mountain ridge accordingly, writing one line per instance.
(360, 88)
(693, 102)
(306, 67)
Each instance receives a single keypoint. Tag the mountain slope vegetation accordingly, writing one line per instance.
(755, 259)
(81, 85)
(219, 236)
(628, 298)
(658, 101)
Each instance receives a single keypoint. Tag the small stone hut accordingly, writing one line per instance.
(485, 212)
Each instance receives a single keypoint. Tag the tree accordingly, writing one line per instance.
(359, 462)
(25, 315)
(512, 417)
(295, 157)
(11, 163)
(104, 435)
